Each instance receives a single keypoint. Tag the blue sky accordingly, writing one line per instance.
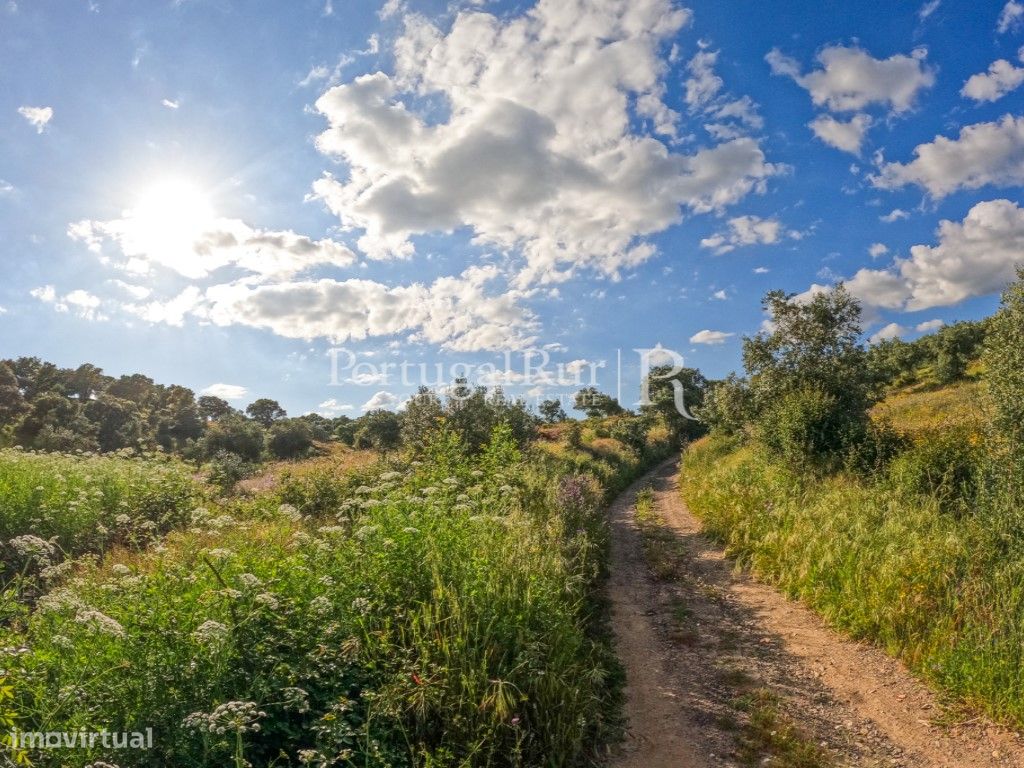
(216, 193)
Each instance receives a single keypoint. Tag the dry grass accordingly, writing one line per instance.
(920, 409)
(337, 458)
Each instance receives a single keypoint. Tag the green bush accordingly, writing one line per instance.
(810, 429)
(1004, 359)
(944, 465)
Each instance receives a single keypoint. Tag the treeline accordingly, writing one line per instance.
(942, 357)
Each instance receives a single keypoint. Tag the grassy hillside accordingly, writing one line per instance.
(887, 556)
(436, 611)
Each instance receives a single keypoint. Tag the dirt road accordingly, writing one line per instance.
(725, 671)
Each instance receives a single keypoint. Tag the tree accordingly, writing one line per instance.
(596, 404)
(12, 402)
(808, 376)
(1004, 358)
(118, 422)
(233, 434)
(177, 418)
(265, 411)
(662, 385)
(552, 411)
(213, 408)
(380, 429)
(728, 406)
(423, 415)
(289, 438)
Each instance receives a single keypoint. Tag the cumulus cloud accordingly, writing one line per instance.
(929, 325)
(38, 117)
(748, 230)
(878, 249)
(975, 257)
(382, 399)
(894, 215)
(536, 153)
(1011, 17)
(209, 247)
(710, 337)
(458, 313)
(226, 391)
(847, 136)
(78, 302)
(332, 407)
(850, 79)
(1001, 78)
(985, 153)
(887, 333)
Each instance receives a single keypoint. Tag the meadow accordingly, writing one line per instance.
(436, 610)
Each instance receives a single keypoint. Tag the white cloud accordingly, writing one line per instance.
(887, 333)
(748, 230)
(894, 215)
(3, 310)
(984, 153)
(710, 337)
(391, 8)
(1011, 16)
(928, 9)
(382, 399)
(459, 313)
(196, 250)
(703, 84)
(878, 249)
(332, 407)
(761, 270)
(975, 257)
(537, 153)
(1001, 78)
(170, 103)
(720, 295)
(38, 117)
(850, 78)
(226, 391)
(846, 136)
(6, 188)
(929, 325)
(81, 303)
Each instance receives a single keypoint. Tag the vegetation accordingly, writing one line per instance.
(898, 521)
(470, 630)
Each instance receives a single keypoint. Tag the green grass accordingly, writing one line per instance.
(943, 591)
(86, 503)
(437, 614)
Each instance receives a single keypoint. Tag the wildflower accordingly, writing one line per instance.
(267, 600)
(59, 600)
(100, 622)
(410, 529)
(361, 605)
(320, 604)
(230, 717)
(56, 572)
(123, 520)
(210, 632)
(296, 698)
(120, 569)
(34, 548)
(220, 553)
(287, 510)
(365, 532)
(249, 580)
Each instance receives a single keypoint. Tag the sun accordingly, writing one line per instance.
(166, 222)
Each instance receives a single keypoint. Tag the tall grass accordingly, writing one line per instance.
(442, 613)
(85, 503)
(940, 587)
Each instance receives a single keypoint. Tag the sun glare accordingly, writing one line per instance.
(168, 219)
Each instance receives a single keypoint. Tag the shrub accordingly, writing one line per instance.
(944, 465)
(289, 439)
(810, 429)
(227, 469)
(1004, 359)
(728, 406)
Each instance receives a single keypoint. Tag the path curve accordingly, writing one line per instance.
(861, 706)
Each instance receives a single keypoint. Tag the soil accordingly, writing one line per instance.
(692, 644)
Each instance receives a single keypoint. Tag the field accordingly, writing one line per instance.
(925, 558)
(436, 612)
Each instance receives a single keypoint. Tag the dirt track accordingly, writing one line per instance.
(695, 642)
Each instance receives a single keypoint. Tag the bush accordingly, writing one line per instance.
(233, 434)
(945, 465)
(810, 429)
(227, 469)
(290, 439)
(728, 406)
(1004, 358)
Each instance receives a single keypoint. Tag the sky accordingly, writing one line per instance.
(293, 199)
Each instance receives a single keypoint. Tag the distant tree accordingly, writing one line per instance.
(596, 404)
(321, 428)
(289, 438)
(177, 418)
(85, 381)
(213, 408)
(265, 411)
(380, 429)
(233, 434)
(552, 411)
(421, 418)
(344, 429)
(661, 390)
(12, 402)
(140, 389)
(118, 422)
(955, 347)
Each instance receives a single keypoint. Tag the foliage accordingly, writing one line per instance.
(552, 412)
(289, 439)
(671, 393)
(265, 411)
(381, 430)
(1004, 360)
(728, 406)
(232, 434)
(596, 404)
